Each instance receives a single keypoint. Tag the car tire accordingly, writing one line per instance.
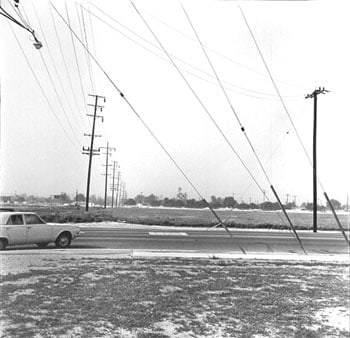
(42, 245)
(63, 240)
(2, 244)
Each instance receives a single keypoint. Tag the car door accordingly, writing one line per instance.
(16, 229)
(37, 230)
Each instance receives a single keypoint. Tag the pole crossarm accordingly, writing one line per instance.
(317, 92)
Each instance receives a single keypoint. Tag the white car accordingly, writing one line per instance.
(28, 228)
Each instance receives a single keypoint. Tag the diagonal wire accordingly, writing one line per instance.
(173, 56)
(238, 89)
(87, 45)
(54, 65)
(64, 62)
(215, 51)
(291, 225)
(58, 96)
(274, 83)
(226, 96)
(200, 101)
(42, 89)
(230, 103)
(77, 64)
(149, 130)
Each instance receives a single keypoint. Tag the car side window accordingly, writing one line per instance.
(15, 220)
(33, 219)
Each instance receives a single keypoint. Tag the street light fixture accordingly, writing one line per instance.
(37, 44)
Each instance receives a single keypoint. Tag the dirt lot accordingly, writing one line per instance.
(62, 296)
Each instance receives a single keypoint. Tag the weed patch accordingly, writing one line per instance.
(95, 297)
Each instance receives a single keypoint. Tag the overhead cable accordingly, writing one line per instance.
(64, 62)
(274, 83)
(199, 100)
(242, 127)
(77, 64)
(172, 159)
(213, 50)
(87, 45)
(227, 98)
(42, 90)
(238, 89)
(54, 66)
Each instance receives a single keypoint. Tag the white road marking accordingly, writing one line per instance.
(168, 234)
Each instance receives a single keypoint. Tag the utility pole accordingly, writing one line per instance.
(108, 153)
(287, 198)
(90, 150)
(117, 192)
(123, 195)
(264, 196)
(120, 192)
(113, 188)
(314, 95)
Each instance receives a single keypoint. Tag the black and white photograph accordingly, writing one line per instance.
(174, 168)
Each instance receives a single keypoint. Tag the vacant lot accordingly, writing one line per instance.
(124, 297)
(191, 217)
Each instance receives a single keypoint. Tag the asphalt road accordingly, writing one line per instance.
(216, 240)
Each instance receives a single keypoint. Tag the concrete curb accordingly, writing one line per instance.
(120, 253)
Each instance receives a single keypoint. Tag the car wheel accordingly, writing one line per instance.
(42, 245)
(2, 244)
(63, 240)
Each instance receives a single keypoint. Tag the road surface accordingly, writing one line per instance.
(215, 240)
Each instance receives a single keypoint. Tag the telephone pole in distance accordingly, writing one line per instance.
(108, 153)
(113, 188)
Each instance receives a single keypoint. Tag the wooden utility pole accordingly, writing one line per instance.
(108, 153)
(117, 191)
(314, 152)
(90, 150)
(113, 188)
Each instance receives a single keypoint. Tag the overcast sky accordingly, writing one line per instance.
(304, 43)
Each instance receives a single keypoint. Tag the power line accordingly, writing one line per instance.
(58, 97)
(274, 83)
(239, 121)
(83, 36)
(41, 88)
(198, 99)
(282, 101)
(149, 130)
(64, 62)
(213, 50)
(238, 89)
(77, 63)
(226, 96)
(91, 74)
(54, 66)
(87, 45)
